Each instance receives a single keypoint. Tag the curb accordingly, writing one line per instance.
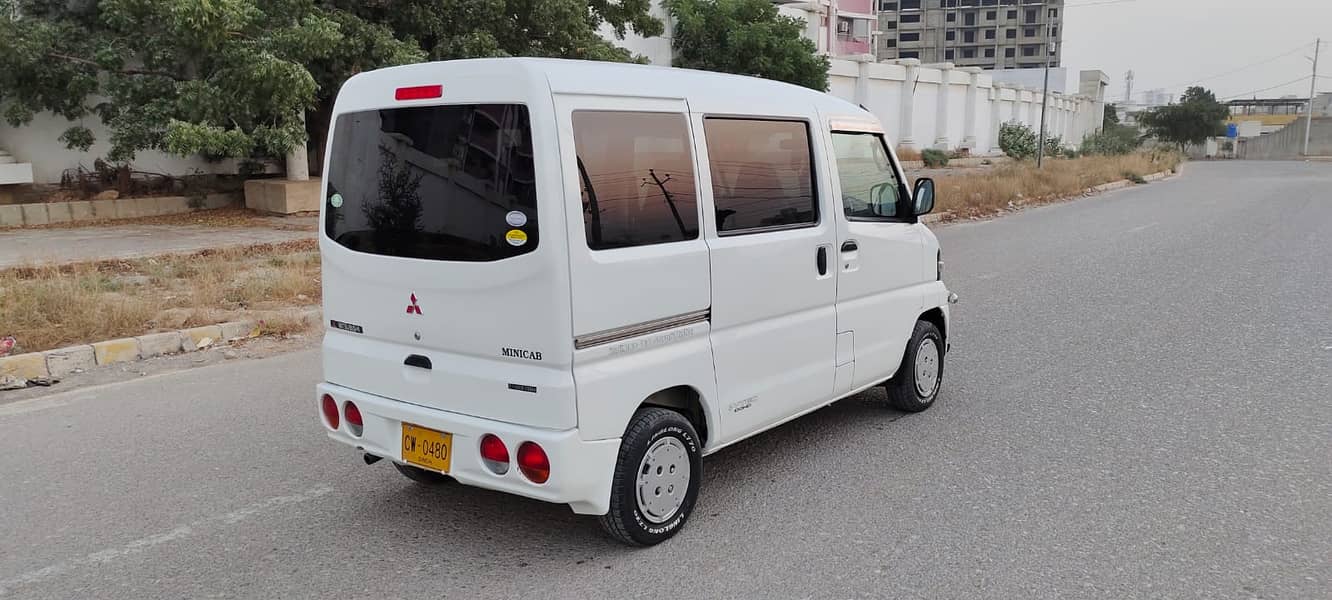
(49, 213)
(61, 362)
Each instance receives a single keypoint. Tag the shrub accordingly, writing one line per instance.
(934, 158)
(1071, 152)
(1017, 140)
(1114, 140)
(1134, 177)
(907, 153)
(1054, 146)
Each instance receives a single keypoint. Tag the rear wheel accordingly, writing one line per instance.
(656, 478)
(918, 378)
(420, 475)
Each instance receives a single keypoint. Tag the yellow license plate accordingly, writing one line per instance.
(426, 447)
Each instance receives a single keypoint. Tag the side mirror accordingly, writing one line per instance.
(924, 196)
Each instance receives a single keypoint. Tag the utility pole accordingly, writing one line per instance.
(670, 200)
(1313, 84)
(1045, 87)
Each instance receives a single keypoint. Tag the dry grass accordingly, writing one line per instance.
(907, 153)
(47, 307)
(1019, 184)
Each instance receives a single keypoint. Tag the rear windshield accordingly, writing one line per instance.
(436, 182)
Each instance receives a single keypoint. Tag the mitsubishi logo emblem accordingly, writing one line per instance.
(413, 307)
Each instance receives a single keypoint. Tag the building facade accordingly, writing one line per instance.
(990, 34)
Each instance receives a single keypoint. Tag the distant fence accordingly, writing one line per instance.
(946, 107)
(1288, 142)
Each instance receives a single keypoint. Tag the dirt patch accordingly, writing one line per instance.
(47, 307)
(1009, 186)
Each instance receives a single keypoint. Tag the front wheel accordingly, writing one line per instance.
(917, 381)
(656, 478)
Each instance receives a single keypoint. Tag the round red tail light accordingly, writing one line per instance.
(353, 415)
(494, 454)
(330, 407)
(533, 463)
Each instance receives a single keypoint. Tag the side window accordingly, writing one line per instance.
(869, 185)
(762, 173)
(637, 177)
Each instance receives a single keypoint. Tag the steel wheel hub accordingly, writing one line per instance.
(927, 367)
(663, 479)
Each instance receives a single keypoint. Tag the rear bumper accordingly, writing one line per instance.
(580, 471)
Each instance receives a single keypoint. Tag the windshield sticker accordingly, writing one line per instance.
(516, 218)
(335, 200)
(515, 237)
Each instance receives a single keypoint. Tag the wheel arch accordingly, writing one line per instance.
(686, 400)
(935, 316)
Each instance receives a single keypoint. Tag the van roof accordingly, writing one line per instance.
(706, 91)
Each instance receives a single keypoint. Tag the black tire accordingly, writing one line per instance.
(625, 521)
(903, 393)
(423, 476)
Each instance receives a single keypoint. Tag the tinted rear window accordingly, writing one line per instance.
(436, 182)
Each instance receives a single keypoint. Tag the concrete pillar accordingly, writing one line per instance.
(863, 79)
(908, 100)
(1034, 113)
(941, 106)
(298, 161)
(996, 98)
(1017, 105)
(969, 119)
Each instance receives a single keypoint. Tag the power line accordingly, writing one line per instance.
(1304, 46)
(1267, 88)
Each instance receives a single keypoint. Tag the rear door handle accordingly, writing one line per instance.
(416, 360)
(850, 246)
(821, 260)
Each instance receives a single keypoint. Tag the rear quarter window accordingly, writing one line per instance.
(449, 183)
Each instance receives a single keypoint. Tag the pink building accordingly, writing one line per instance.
(853, 22)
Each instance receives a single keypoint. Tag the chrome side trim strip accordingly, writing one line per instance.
(631, 331)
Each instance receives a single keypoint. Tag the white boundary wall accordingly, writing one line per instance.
(949, 108)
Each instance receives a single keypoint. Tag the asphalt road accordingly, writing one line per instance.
(1138, 405)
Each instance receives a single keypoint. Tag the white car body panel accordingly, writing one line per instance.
(742, 324)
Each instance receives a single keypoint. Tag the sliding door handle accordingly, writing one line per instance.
(821, 260)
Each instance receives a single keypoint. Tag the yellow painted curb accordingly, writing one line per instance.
(114, 351)
(24, 366)
(197, 334)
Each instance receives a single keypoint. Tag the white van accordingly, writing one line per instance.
(572, 280)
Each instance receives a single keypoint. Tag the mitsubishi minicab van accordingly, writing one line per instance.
(571, 281)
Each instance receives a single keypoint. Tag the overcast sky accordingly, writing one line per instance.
(1173, 43)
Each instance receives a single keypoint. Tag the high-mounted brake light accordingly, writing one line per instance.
(419, 92)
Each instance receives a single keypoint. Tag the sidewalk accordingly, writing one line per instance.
(101, 242)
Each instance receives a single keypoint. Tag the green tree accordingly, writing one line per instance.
(235, 78)
(747, 37)
(1195, 118)
(1111, 116)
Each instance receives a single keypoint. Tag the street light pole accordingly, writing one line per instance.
(1313, 83)
(1045, 87)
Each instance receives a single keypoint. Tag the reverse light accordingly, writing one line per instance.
(353, 414)
(494, 454)
(419, 92)
(330, 408)
(532, 461)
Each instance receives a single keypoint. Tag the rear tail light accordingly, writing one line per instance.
(353, 414)
(494, 454)
(330, 407)
(532, 461)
